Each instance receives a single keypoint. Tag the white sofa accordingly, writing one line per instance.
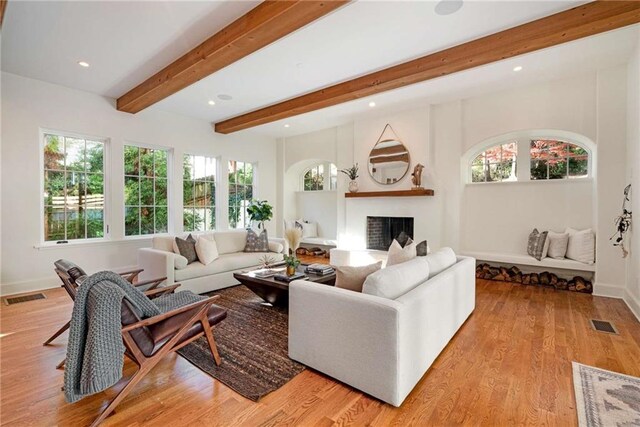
(379, 345)
(160, 261)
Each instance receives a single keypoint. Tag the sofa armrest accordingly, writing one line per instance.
(350, 336)
(156, 263)
(283, 242)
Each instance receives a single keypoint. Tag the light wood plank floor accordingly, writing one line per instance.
(510, 364)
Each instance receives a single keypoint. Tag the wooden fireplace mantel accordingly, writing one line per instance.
(396, 193)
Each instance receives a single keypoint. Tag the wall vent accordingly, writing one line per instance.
(23, 298)
(603, 326)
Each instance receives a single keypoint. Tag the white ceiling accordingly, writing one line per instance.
(125, 42)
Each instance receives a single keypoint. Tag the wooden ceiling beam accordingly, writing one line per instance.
(578, 22)
(3, 8)
(269, 21)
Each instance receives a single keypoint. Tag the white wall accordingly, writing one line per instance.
(632, 294)
(29, 105)
(496, 217)
(319, 207)
(499, 217)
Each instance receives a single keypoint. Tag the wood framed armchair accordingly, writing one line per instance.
(148, 340)
(69, 273)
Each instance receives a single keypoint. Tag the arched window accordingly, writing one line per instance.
(531, 156)
(554, 159)
(323, 176)
(497, 163)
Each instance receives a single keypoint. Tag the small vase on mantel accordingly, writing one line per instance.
(353, 186)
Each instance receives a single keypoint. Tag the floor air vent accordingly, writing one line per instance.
(24, 298)
(603, 326)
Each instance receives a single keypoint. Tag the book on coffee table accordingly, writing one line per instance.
(284, 278)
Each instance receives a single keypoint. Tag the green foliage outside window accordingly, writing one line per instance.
(240, 176)
(199, 193)
(146, 191)
(73, 188)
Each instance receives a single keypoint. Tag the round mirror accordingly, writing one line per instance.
(388, 161)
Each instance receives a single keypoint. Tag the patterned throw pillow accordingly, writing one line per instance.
(257, 243)
(537, 245)
(187, 248)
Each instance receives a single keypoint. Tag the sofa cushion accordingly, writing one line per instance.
(206, 250)
(538, 244)
(396, 280)
(398, 254)
(276, 247)
(230, 241)
(256, 242)
(353, 278)
(440, 260)
(558, 243)
(163, 243)
(582, 245)
(224, 263)
(179, 262)
(187, 248)
(423, 249)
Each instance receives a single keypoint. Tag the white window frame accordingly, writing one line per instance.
(326, 177)
(107, 194)
(218, 199)
(170, 184)
(254, 186)
(523, 157)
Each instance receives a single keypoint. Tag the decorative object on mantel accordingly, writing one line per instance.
(416, 176)
(352, 173)
(514, 275)
(389, 159)
(623, 223)
(396, 193)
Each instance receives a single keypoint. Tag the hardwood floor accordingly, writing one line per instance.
(509, 364)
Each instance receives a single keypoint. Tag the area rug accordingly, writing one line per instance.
(605, 398)
(252, 342)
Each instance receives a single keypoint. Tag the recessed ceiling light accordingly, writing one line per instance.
(286, 125)
(372, 104)
(83, 64)
(211, 102)
(225, 97)
(447, 7)
(518, 68)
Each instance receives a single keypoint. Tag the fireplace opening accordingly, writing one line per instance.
(381, 230)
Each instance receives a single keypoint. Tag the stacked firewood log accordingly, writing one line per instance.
(514, 275)
(313, 252)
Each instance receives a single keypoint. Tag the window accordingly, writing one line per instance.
(240, 193)
(553, 159)
(199, 193)
(73, 193)
(498, 163)
(320, 177)
(532, 155)
(145, 191)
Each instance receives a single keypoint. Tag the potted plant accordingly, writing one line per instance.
(292, 263)
(352, 173)
(260, 211)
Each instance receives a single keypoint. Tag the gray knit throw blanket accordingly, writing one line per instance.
(95, 352)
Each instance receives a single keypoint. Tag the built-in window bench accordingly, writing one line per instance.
(319, 241)
(564, 267)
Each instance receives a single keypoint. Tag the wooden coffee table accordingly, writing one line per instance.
(274, 291)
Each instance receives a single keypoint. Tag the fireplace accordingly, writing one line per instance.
(381, 230)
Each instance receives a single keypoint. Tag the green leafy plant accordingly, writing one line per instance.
(291, 261)
(352, 172)
(260, 211)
